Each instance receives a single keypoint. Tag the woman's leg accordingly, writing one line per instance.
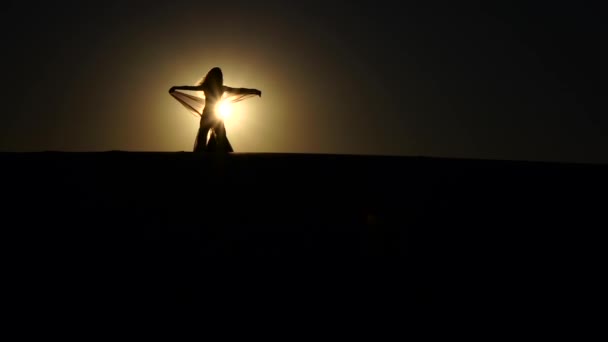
(200, 143)
(222, 139)
(212, 143)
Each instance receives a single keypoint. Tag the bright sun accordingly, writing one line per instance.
(223, 109)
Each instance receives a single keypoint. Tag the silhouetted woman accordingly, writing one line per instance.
(213, 87)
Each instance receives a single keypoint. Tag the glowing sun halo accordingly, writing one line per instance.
(223, 109)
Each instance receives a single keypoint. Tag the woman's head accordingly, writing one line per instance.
(213, 79)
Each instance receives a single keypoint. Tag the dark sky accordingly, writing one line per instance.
(430, 78)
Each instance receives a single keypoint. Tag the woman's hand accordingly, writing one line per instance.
(259, 93)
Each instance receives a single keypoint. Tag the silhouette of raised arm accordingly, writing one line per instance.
(242, 91)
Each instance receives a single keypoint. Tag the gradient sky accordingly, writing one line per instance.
(422, 78)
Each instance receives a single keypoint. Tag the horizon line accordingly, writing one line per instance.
(310, 154)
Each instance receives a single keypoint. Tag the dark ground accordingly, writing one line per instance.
(136, 232)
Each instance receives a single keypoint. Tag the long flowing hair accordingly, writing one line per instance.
(214, 78)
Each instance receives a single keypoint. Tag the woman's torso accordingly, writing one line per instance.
(212, 96)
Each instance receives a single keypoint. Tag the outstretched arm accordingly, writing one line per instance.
(242, 91)
(174, 88)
